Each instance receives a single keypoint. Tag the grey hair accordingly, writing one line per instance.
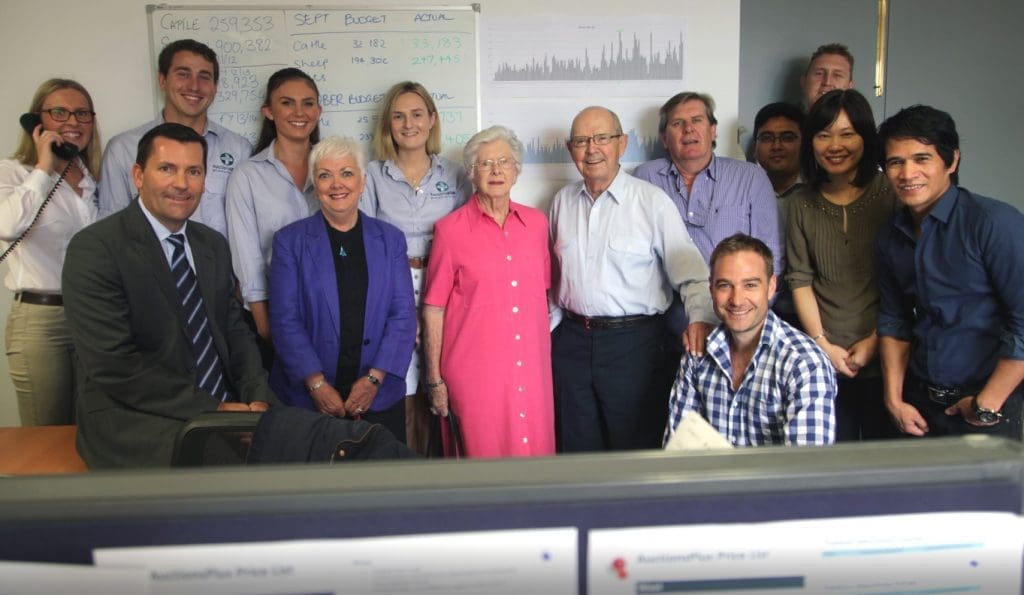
(681, 98)
(490, 135)
(335, 147)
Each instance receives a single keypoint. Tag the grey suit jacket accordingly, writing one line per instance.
(138, 383)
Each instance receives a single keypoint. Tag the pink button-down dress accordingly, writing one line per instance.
(496, 350)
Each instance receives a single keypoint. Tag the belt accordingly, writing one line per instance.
(947, 395)
(39, 299)
(418, 262)
(607, 322)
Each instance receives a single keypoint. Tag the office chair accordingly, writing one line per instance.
(215, 438)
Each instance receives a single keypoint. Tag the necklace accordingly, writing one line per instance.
(415, 177)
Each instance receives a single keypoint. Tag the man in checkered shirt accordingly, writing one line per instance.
(760, 381)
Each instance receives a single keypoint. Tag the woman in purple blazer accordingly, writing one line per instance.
(342, 314)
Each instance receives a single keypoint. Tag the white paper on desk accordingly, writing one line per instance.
(949, 552)
(31, 578)
(493, 562)
(695, 433)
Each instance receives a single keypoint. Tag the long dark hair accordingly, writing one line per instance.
(268, 132)
(825, 111)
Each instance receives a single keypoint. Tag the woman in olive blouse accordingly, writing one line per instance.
(830, 240)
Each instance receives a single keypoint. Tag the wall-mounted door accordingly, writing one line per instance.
(963, 57)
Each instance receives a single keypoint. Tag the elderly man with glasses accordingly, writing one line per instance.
(621, 250)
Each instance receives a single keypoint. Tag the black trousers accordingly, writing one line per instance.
(940, 424)
(611, 385)
(860, 410)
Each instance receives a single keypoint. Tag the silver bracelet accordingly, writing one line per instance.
(438, 384)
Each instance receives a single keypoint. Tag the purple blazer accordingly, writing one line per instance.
(305, 324)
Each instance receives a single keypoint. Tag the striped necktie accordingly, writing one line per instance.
(210, 373)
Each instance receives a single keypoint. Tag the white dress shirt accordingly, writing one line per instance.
(35, 265)
(224, 151)
(622, 253)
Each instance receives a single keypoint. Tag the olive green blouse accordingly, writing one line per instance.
(837, 260)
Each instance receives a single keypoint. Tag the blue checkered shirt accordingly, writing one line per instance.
(787, 394)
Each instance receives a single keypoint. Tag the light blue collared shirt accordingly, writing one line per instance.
(261, 199)
(162, 233)
(225, 150)
(622, 253)
(389, 197)
(728, 196)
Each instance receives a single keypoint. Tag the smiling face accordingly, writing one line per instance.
(777, 147)
(689, 135)
(917, 173)
(71, 130)
(827, 72)
(339, 183)
(495, 182)
(411, 122)
(188, 88)
(598, 164)
(838, 149)
(741, 291)
(171, 183)
(295, 110)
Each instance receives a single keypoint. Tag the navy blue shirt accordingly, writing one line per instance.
(956, 292)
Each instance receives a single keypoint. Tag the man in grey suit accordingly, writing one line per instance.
(149, 298)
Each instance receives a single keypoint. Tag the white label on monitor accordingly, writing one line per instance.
(495, 562)
(906, 554)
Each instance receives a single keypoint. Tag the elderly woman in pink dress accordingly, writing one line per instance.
(487, 342)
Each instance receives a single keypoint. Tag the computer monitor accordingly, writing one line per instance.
(65, 518)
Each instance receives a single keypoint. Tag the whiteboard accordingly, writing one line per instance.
(353, 54)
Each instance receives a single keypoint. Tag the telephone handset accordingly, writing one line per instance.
(65, 151)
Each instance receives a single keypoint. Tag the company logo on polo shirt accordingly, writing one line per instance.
(227, 159)
(441, 186)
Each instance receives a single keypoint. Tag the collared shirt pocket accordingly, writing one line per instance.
(629, 257)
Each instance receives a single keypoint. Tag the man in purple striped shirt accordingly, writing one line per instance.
(715, 196)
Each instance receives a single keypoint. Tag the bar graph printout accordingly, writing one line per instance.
(537, 72)
(900, 554)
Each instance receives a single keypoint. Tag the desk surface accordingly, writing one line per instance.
(39, 451)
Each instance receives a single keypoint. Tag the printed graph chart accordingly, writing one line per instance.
(613, 61)
(532, 51)
(547, 59)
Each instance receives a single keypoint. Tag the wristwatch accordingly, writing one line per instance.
(373, 379)
(985, 416)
